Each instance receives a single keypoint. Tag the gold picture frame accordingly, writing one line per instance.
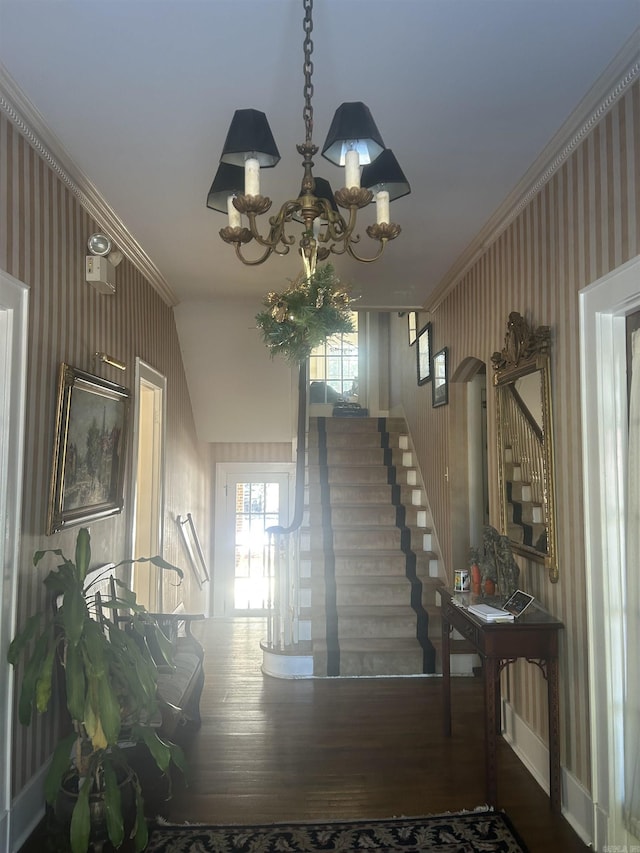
(89, 454)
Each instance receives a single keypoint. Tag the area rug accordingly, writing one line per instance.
(464, 832)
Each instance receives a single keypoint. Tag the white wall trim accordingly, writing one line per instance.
(14, 310)
(27, 810)
(534, 754)
(603, 306)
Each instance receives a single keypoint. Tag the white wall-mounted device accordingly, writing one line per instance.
(100, 273)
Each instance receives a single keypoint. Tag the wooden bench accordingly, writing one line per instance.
(180, 683)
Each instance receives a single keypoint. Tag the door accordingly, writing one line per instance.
(249, 499)
(149, 431)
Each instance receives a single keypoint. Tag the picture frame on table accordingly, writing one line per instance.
(440, 378)
(423, 354)
(89, 453)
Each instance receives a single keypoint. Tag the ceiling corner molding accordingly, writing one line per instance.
(623, 71)
(31, 124)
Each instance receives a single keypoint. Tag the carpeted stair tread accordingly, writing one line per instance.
(379, 611)
(372, 644)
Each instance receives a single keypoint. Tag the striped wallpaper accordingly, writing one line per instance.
(581, 224)
(43, 233)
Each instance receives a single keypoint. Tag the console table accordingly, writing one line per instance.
(533, 636)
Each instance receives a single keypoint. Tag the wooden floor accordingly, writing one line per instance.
(272, 750)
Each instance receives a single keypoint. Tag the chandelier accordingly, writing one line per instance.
(371, 173)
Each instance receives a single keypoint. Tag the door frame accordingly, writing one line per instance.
(14, 306)
(147, 375)
(604, 305)
(251, 472)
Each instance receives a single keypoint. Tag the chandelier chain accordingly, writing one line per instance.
(307, 26)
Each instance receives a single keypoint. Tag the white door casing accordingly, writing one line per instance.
(147, 479)
(603, 307)
(14, 296)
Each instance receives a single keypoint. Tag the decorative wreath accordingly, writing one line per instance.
(310, 310)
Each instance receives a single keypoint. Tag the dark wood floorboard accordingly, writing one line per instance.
(271, 750)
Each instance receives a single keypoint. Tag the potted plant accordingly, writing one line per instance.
(109, 678)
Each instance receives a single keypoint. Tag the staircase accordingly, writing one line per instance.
(366, 553)
(525, 522)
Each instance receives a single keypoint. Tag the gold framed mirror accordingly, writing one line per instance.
(522, 379)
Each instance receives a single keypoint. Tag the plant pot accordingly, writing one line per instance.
(489, 586)
(99, 836)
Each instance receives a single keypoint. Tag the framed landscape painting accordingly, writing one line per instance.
(87, 475)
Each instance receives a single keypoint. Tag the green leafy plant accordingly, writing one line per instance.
(110, 684)
(304, 315)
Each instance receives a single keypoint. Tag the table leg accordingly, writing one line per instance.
(490, 710)
(446, 678)
(555, 792)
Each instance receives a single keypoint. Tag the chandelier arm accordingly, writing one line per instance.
(276, 233)
(258, 261)
(349, 248)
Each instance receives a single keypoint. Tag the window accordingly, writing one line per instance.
(333, 368)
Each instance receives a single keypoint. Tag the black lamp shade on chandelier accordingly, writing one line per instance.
(228, 181)
(353, 128)
(385, 174)
(250, 136)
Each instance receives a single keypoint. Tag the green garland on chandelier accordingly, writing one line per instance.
(310, 310)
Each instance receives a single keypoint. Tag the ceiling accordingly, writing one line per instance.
(467, 94)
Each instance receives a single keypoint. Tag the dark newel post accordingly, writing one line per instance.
(301, 444)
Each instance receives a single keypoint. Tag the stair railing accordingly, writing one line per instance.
(283, 548)
(525, 438)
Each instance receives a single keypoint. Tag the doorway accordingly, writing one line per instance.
(604, 306)
(468, 472)
(249, 499)
(148, 486)
(13, 366)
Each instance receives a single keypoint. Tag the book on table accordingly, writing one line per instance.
(490, 614)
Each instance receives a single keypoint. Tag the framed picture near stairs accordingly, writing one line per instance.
(423, 354)
(440, 378)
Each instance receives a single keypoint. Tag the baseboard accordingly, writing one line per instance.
(27, 809)
(577, 806)
(286, 665)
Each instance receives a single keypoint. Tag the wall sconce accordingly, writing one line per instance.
(100, 265)
(109, 359)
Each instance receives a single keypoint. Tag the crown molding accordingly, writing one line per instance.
(622, 72)
(31, 124)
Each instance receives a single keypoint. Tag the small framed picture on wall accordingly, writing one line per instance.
(412, 324)
(440, 377)
(423, 354)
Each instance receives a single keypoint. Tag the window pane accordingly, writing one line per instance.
(272, 501)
